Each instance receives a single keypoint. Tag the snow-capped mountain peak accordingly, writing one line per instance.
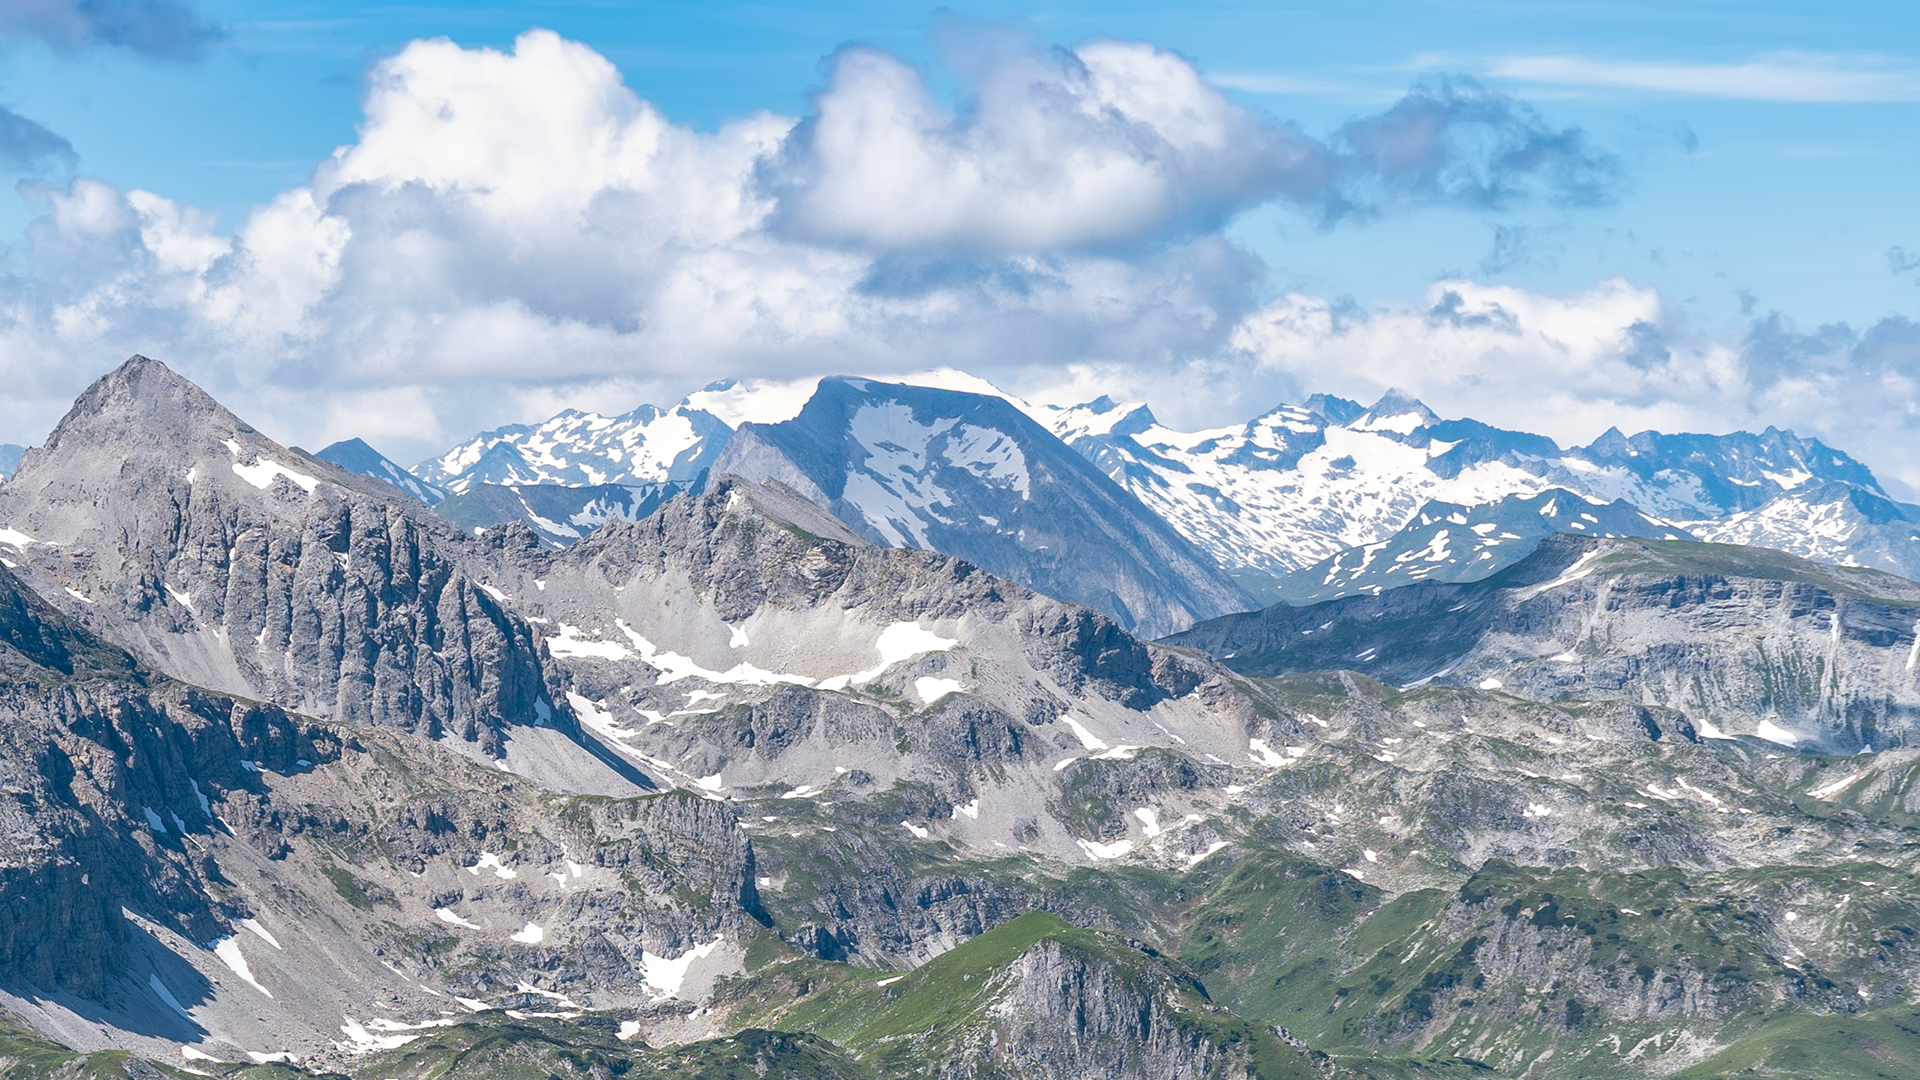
(972, 475)
(1396, 412)
(1101, 416)
(1300, 483)
(1450, 542)
(1266, 498)
(645, 446)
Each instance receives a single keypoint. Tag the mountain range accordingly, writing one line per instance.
(305, 778)
(1257, 512)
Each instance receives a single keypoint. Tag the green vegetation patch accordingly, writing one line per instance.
(1880, 1045)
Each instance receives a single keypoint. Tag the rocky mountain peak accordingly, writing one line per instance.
(1336, 410)
(1396, 411)
(164, 523)
(147, 397)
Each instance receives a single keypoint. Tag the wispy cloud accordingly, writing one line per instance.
(1451, 141)
(1294, 86)
(1815, 78)
(27, 147)
(161, 29)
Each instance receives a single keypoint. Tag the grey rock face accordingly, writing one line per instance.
(163, 522)
(971, 476)
(753, 574)
(1732, 638)
(337, 848)
(1067, 1013)
(105, 767)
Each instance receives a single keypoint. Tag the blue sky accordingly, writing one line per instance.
(1747, 168)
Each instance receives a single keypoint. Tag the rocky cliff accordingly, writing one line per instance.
(161, 521)
(1742, 640)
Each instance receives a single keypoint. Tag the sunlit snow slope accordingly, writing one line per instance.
(1303, 483)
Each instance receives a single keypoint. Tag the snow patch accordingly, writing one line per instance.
(1774, 733)
(595, 717)
(931, 689)
(569, 643)
(1212, 849)
(673, 667)
(500, 870)
(160, 989)
(917, 830)
(1263, 754)
(900, 641)
(260, 931)
(1491, 683)
(264, 469)
(664, 974)
(530, 934)
(366, 1042)
(529, 988)
(1106, 851)
(1087, 738)
(971, 810)
(1826, 792)
(228, 950)
(447, 916)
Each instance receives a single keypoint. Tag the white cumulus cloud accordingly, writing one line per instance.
(517, 230)
(1112, 143)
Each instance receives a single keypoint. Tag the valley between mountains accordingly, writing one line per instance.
(861, 729)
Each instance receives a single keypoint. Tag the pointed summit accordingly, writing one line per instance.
(354, 455)
(161, 521)
(1335, 410)
(144, 398)
(144, 439)
(1398, 412)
